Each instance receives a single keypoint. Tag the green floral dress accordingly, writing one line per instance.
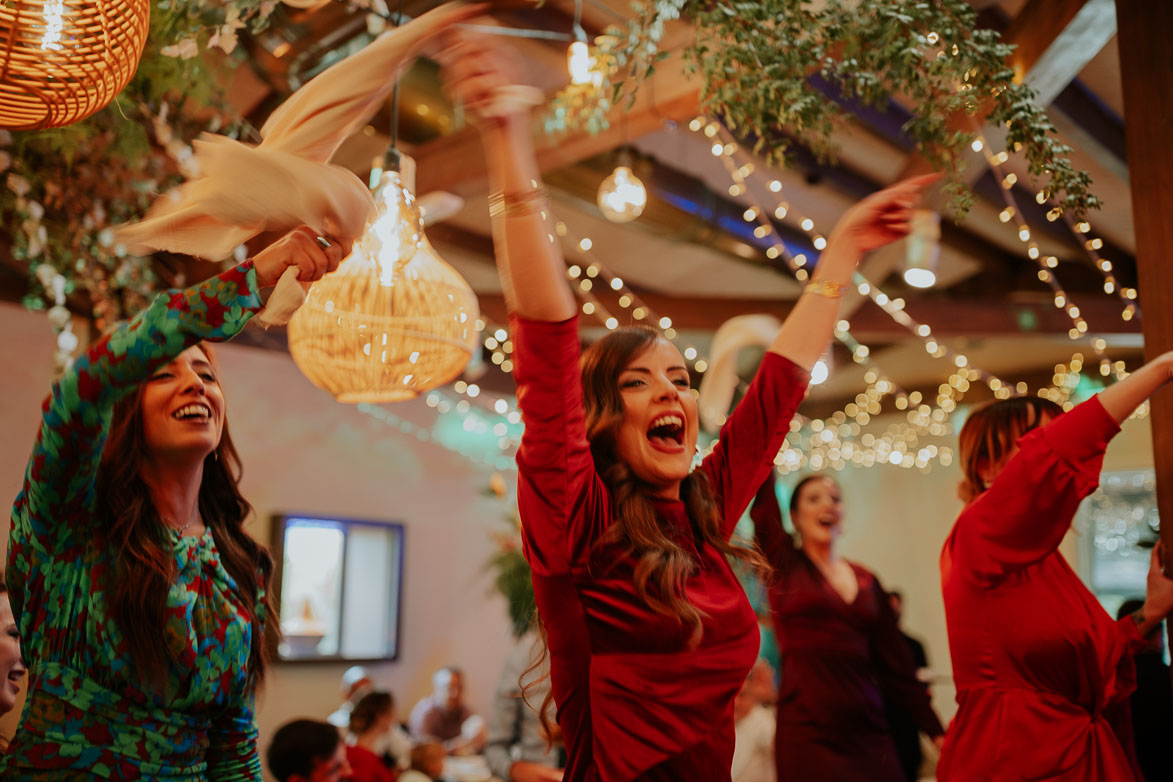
(89, 714)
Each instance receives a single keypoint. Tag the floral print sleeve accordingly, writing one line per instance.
(56, 504)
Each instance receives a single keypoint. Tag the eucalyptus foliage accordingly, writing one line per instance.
(64, 188)
(756, 57)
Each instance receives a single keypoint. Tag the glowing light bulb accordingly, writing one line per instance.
(579, 62)
(622, 197)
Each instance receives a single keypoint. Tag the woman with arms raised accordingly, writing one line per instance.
(649, 633)
(843, 654)
(141, 600)
(1041, 669)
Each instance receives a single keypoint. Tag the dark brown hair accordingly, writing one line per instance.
(796, 494)
(368, 709)
(663, 565)
(143, 567)
(990, 432)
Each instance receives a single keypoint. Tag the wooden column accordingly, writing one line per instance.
(1146, 69)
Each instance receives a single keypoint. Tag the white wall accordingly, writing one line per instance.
(303, 452)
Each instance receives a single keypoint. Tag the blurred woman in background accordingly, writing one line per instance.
(842, 652)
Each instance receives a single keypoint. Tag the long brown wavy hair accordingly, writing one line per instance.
(990, 432)
(662, 565)
(143, 567)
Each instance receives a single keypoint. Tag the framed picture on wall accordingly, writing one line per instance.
(338, 587)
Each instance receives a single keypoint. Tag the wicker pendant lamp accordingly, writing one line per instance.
(63, 60)
(394, 320)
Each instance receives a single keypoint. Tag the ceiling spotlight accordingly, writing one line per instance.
(923, 249)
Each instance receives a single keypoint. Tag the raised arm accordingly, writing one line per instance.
(1028, 508)
(772, 538)
(754, 432)
(529, 259)
(877, 220)
(55, 505)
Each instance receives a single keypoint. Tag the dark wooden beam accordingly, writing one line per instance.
(457, 162)
(1146, 70)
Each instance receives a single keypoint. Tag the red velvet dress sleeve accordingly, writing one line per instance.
(558, 488)
(772, 538)
(753, 434)
(896, 669)
(1023, 517)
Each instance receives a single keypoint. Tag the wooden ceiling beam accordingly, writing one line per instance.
(1051, 35)
(456, 163)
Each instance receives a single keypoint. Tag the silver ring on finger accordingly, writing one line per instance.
(324, 242)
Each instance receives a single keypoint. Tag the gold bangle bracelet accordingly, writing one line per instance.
(527, 202)
(825, 288)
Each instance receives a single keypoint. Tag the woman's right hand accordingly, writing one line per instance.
(881, 218)
(476, 69)
(300, 248)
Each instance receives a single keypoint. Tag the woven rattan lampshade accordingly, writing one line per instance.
(394, 320)
(63, 60)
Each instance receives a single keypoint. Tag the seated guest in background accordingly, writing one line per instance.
(394, 746)
(905, 732)
(307, 751)
(355, 684)
(517, 750)
(442, 716)
(1152, 702)
(754, 724)
(371, 718)
(12, 668)
(427, 763)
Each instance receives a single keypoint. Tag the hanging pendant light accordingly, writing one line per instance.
(394, 320)
(63, 60)
(622, 196)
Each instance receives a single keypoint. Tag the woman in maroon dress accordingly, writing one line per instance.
(1041, 669)
(842, 651)
(650, 635)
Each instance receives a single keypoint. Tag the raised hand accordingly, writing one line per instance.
(302, 248)
(478, 69)
(882, 217)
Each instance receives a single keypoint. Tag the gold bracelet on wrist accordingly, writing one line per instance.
(826, 288)
(527, 202)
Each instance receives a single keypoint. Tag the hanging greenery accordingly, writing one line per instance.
(756, 57)
(65, 188)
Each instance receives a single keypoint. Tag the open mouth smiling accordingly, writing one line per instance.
(667, 432)
(196, 412)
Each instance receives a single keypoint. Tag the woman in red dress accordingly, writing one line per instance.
(650, 635)
(842, 652)
(1041, 669)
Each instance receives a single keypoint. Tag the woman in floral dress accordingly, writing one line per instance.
(140, 599)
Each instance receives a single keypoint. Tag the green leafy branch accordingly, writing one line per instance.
(755, 58)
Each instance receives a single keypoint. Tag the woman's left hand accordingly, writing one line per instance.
(882, 217)
(302, 248)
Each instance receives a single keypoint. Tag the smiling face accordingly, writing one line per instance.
(182, 408)
(657, 437)
(12, 670)
(817, 511)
